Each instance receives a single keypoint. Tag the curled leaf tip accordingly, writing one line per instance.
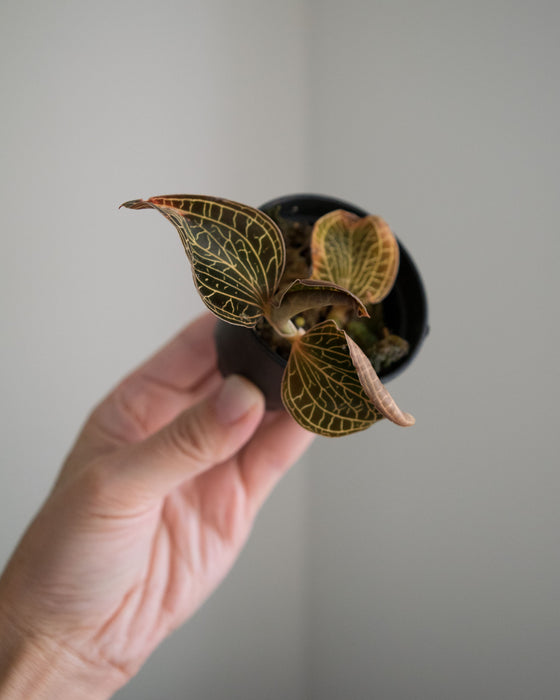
(407, 420)
(363, 312)
(135, 204)
(375, 390)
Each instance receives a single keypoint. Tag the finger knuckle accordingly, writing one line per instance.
(191, 438)
(96, 483)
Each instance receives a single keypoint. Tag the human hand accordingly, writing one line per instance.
(149, 512)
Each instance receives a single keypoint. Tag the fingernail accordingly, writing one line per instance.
(236, 398)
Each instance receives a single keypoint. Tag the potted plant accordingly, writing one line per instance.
(302, 289)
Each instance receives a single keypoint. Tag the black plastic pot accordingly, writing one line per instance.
(405, 310)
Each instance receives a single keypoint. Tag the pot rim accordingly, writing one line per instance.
(299, 201)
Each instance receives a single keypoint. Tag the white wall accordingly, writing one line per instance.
(435, 550)
(102, 102)
(397, 564)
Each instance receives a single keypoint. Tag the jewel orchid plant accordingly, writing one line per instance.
(238, 260)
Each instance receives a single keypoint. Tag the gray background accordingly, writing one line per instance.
(396, 564)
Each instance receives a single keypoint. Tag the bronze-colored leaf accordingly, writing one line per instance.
(360, 254)
(237, 253)
(374, 388)
(321, 388)
(302, 295)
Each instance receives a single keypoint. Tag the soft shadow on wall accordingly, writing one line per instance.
(105, 102)
(433, 550)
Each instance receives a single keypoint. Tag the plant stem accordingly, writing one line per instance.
(339, 314)
(286, 329)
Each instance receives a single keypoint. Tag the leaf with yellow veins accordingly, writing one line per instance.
(360, 254)
(237, 253)
(321, 388)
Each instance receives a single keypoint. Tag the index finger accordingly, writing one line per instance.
(171, 381)
(185, 360)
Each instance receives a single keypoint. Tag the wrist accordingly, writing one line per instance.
(38, 668)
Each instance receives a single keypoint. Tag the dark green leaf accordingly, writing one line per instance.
(237, 253)
(321, 388)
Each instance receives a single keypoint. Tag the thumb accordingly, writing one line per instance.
(204, 435)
